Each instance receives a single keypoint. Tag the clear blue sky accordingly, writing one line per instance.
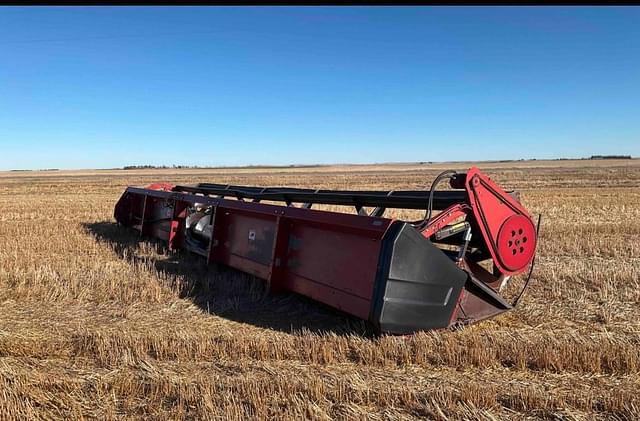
(107, 87)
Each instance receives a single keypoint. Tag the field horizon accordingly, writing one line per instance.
(426, 165)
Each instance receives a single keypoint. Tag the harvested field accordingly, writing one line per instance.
(97, 323)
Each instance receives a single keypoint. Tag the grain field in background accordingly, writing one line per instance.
(97, 323)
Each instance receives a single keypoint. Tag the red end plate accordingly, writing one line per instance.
(516, 242)
(506, 225)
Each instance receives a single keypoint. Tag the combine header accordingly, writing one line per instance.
(445, 269)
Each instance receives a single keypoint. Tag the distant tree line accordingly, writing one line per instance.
(610, 157)
(159, 167)
(156, 167)
(44, 169)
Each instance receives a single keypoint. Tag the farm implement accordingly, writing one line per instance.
(445, 269)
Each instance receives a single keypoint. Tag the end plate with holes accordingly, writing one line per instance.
(517, 242)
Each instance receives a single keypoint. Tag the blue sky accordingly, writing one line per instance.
(106, 87)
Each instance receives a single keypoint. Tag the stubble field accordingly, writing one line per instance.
(98, 323)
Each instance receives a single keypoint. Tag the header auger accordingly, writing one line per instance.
(401, 276)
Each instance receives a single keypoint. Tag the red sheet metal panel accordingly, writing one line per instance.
(333, 267)
(344, 261)
(245, 241)
(334, 264)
